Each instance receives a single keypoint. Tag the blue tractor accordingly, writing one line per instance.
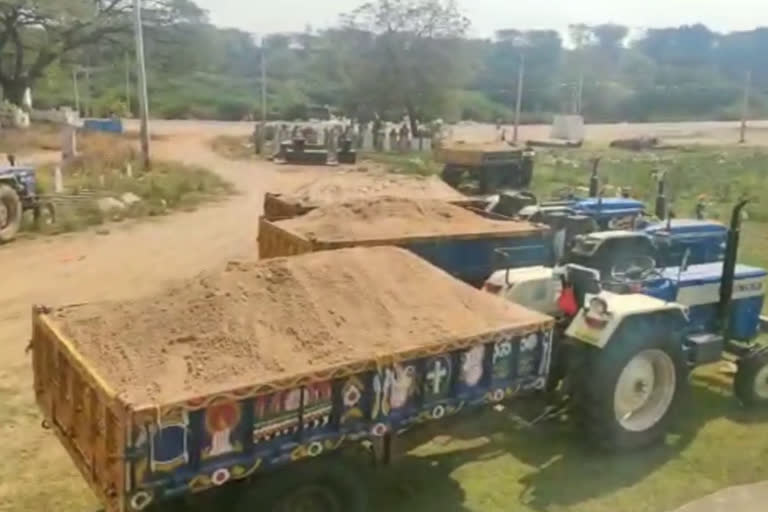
(639, 333)
(17, 194)
(664, 242)
(626, 340)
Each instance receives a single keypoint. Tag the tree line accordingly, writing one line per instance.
(387, 58)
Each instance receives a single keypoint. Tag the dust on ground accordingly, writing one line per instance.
(254, 322)
(384, 218)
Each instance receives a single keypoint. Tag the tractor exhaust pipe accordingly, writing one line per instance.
(661, 198)
(729, 267)
(594, 179)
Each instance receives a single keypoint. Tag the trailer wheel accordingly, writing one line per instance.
(751, 382)
(10, 213)
(626, 394)
(320, 485)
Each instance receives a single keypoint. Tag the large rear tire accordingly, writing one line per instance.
(319, 485)
(751, 382)
(626, 394)
(10, 213)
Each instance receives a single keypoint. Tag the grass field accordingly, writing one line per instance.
(487, 463)
(99, 171)
(722, 174)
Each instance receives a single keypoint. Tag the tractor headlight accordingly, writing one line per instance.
(597, 314)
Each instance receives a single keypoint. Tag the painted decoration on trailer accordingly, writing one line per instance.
(472, 365)
(351, 397)
(277, 415)
(437, 377)
(170, 437)
(502, 360)
(394, 388)
(223, 428)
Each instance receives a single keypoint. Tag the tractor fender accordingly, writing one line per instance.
(624, 311)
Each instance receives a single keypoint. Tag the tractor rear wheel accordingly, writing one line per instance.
(751, 382)
(625, 395)
(10, 213)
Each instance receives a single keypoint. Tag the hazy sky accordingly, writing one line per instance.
(490, 15)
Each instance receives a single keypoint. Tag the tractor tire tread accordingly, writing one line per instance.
(593, 373)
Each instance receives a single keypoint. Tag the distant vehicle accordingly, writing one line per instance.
(488, 168)
(17, 194)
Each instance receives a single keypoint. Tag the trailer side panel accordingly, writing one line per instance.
(208, 442)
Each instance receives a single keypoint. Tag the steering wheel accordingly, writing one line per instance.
(635, 269)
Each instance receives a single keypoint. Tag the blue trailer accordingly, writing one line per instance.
(470, 257)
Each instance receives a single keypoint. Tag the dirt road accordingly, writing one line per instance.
(133, 259)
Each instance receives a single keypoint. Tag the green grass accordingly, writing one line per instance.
(723, 175)
(167, 187)
(485, 462)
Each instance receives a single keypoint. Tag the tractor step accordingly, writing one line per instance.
(704, 348)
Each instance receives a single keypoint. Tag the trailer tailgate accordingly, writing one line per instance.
(81, 409)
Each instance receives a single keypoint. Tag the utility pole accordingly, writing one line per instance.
(519, 100)
(128, 82)
(263, 84)
(76, 91)
(142, 91)
(580, 92)
(745, 108)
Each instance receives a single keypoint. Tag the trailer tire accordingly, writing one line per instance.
(751, 382)
(602, 381)
(10, 213)
(327, 484)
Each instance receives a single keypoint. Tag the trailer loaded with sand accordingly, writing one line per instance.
(351, 185)
(467, 243)
(275, 363)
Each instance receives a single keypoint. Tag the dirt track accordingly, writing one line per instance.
(135, 259)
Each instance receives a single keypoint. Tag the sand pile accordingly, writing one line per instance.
(393, 217)
(253, 322)
(347, 185)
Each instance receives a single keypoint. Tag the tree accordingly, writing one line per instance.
(415, 53)
(36, 34)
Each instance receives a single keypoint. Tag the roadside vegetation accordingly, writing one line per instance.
(98, 186)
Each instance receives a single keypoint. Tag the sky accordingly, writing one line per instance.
(487, 16)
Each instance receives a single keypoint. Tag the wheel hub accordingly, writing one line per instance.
(644, 390)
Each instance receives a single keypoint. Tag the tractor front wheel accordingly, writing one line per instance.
(751, 382)
(625, 395)
(10, 213)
